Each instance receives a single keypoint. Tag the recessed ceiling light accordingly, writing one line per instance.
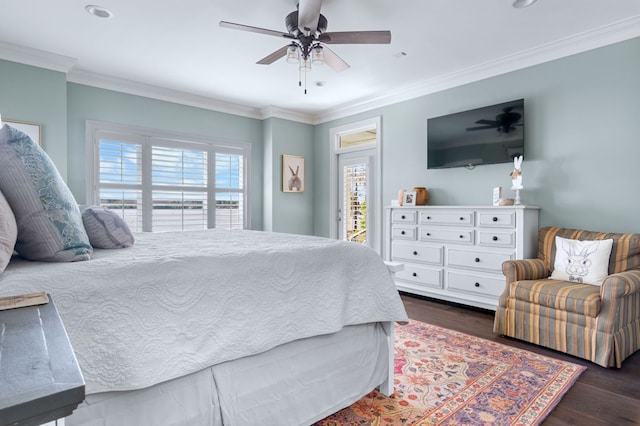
(98, 11)
(523, 3)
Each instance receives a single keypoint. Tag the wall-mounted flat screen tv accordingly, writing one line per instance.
(488, 135)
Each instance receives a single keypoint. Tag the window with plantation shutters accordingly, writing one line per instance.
(165, 184)
(229, 192)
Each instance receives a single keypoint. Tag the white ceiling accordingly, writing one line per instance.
(175, 50)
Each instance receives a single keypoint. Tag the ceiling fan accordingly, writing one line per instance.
(505, 122)
(306, 28)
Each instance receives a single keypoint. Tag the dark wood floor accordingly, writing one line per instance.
(601, 396)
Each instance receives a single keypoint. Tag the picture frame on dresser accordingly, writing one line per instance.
(409, 199)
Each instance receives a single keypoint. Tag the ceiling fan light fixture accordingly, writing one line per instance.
(519, 4)
(317, 55)
(305, 64)
(293, 55)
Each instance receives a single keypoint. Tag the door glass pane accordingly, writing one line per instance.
(355, 203)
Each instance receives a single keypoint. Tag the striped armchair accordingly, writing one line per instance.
(597, 323)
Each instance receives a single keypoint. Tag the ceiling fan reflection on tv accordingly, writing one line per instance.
(306, 28)
(505, 122)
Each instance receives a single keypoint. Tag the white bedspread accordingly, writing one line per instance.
(175, 303)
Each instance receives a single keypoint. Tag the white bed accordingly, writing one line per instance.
(222, 327)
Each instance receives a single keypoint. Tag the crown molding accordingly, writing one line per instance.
(287, 114)
(589, 40)
(35, 57)
(160, 93)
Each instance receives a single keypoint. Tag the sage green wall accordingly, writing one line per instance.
(581, 160)
(90, 103)
(288, 211)
(39, 96)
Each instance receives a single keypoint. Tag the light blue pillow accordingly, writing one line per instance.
(106, 230)
(49, 222)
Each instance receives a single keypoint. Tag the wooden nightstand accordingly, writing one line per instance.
(40, 379)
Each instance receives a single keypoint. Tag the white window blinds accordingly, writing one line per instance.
(159, 184)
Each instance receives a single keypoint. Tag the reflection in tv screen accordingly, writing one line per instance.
(488, 135)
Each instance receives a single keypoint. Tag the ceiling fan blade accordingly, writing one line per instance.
(269, 59)
(308, 14)
(481, 128)
(334, 61)
(487, 122)
(356, 37)
(225, 24)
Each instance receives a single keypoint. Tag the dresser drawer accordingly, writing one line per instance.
(418, 253)
(475, 259)
(404, 216)
(497, 219)
(444, 217)
(472, 283)
(460, 236)
(404, 233)
(497, 238)
(421, 275)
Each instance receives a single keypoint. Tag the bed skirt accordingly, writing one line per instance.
(297, 383)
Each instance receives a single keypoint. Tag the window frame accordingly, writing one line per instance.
(96, 130)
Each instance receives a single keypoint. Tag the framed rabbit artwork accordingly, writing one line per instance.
(292, 173)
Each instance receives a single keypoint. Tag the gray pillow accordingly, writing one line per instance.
(106, 229)
(49, 222)
(8, 232)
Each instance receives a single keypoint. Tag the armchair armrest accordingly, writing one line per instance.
(620, 284)
(524, 269)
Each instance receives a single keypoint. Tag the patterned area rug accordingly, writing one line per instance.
(444, 377)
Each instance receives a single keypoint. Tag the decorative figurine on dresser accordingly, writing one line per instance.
(455, 253)
(516, 178)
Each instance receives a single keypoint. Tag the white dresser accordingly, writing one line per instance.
(455, 253)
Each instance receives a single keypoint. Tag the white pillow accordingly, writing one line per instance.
(584, 262)
(8, 232)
